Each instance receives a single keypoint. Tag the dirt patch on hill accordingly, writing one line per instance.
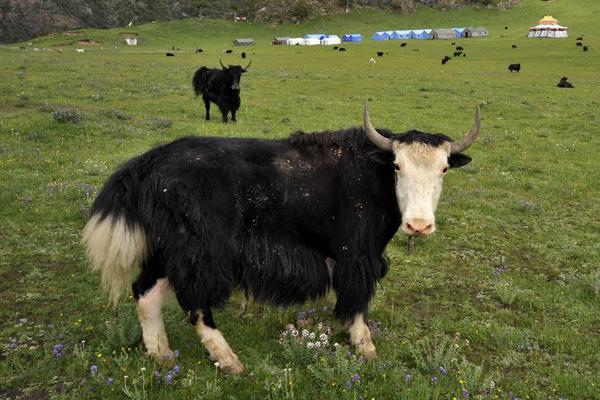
(88, 42)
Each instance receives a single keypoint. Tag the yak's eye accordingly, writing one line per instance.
(397, 167)
(445, 170)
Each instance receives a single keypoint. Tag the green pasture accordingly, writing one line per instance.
(503, 301)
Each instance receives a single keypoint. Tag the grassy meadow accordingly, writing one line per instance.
(503, 301)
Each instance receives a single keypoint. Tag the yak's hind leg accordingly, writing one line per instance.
(149, 312)
(360, 336)
(206, 107)
(215, 343)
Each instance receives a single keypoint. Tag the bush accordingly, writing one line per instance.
(64, 116)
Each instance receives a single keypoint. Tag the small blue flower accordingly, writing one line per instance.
(407, 378)
(466, 394)
(109, 381)
(325, 309)
(355, 377)
(443, 370)
(348, 385)
(57, 350)
(176, 353)
(301, 315)
(93, 369)
(434, 379)
(169, 378)
(176, 369)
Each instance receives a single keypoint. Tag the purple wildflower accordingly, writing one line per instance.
(466, 394)
(301, 315)
(311, 312)
(500, 270)
(157, 374)
(57, 350)
(176, 369)
(109, 381)
(348, 385)
(443, 371)
(176, 353)
(355, 377)
(93, 369)
(434, 379)
(407, 378)
(169, 378)
(325, 309)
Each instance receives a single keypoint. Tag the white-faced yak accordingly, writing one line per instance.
(284, 220)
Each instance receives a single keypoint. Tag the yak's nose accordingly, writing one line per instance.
(418, 227)
(235, 86)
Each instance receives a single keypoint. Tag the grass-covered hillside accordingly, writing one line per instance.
(501, 302)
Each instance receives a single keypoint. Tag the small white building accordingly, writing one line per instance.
(331, 40)
(295, 41)
(311, 42)
(132, 41)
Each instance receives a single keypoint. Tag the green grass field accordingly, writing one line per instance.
(501, 302)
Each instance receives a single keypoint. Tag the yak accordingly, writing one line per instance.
(514, 67)
(585, 48)
(285, 220)
(169, 54)
(578, 44)
(380, 54)
(564, 83)
(221, 86)
(402, 44)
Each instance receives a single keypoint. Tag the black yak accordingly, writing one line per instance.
(199, 51)
(380, 54)
(342, 49)
(564, 83)
(578, 44)
(402, 44)
(514, 67)
(457, 53)
(221, 86)
(514, 46)
(243, 55)
(227, 51)
(585, 48)
(170, 54)
(285, 220)
(459, 48)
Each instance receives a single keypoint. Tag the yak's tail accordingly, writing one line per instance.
(115, 241)
(199, 80)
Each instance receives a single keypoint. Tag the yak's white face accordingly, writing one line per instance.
(420, 170)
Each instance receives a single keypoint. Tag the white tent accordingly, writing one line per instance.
(331, 39)
(295, 41)
(548, 31)
(310, 41)
(131, 41)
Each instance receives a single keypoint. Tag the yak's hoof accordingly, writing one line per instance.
(368, 352)
(235, 367)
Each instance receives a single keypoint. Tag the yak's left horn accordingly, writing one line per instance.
(465, 142)
(375, 137)
(221, 62)
(247, 66)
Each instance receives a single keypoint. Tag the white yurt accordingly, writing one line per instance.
(295, 41)
(331, 39)
(548, 27)
(311, 41)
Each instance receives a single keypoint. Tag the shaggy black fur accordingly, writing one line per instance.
(263, 215)
(221, 86)
(514, 67)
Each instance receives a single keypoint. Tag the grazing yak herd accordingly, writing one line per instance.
(285, 220)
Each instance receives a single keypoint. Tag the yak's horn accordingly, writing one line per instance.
(248, 66)
(375, 137)
(465, 142)
(221, 62)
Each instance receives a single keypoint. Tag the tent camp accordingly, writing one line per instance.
(243, 42)
(280, 40)
(480, 31)
(441, 33)
(295, 41)
(131, 38)
(422, 33)
(310, 41)
(548, 27)
(400, 35)
(352, 37)
(458, 32)
(382, 35)
(331, 39)
(315, 36)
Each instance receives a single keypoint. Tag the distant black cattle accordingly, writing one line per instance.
(514, 46)
(380, 54)
(221, 86)
(342, 49)
(506, 27)
(564, 83)
(457, 53)
(514, 67)
(464, 54)
(445, 60)
(335, 48)
(578, 44)
(585, 48)
(579, 38)
(170, 55)
(243, 54)
(452, 44)
(402, 44)
(227, 51)
(199, 51)
(459, 48)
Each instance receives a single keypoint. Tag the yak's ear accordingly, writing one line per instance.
(458, 160)
(244, 70)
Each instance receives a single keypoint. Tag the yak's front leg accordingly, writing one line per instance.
(360, 336)
(215, 343)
